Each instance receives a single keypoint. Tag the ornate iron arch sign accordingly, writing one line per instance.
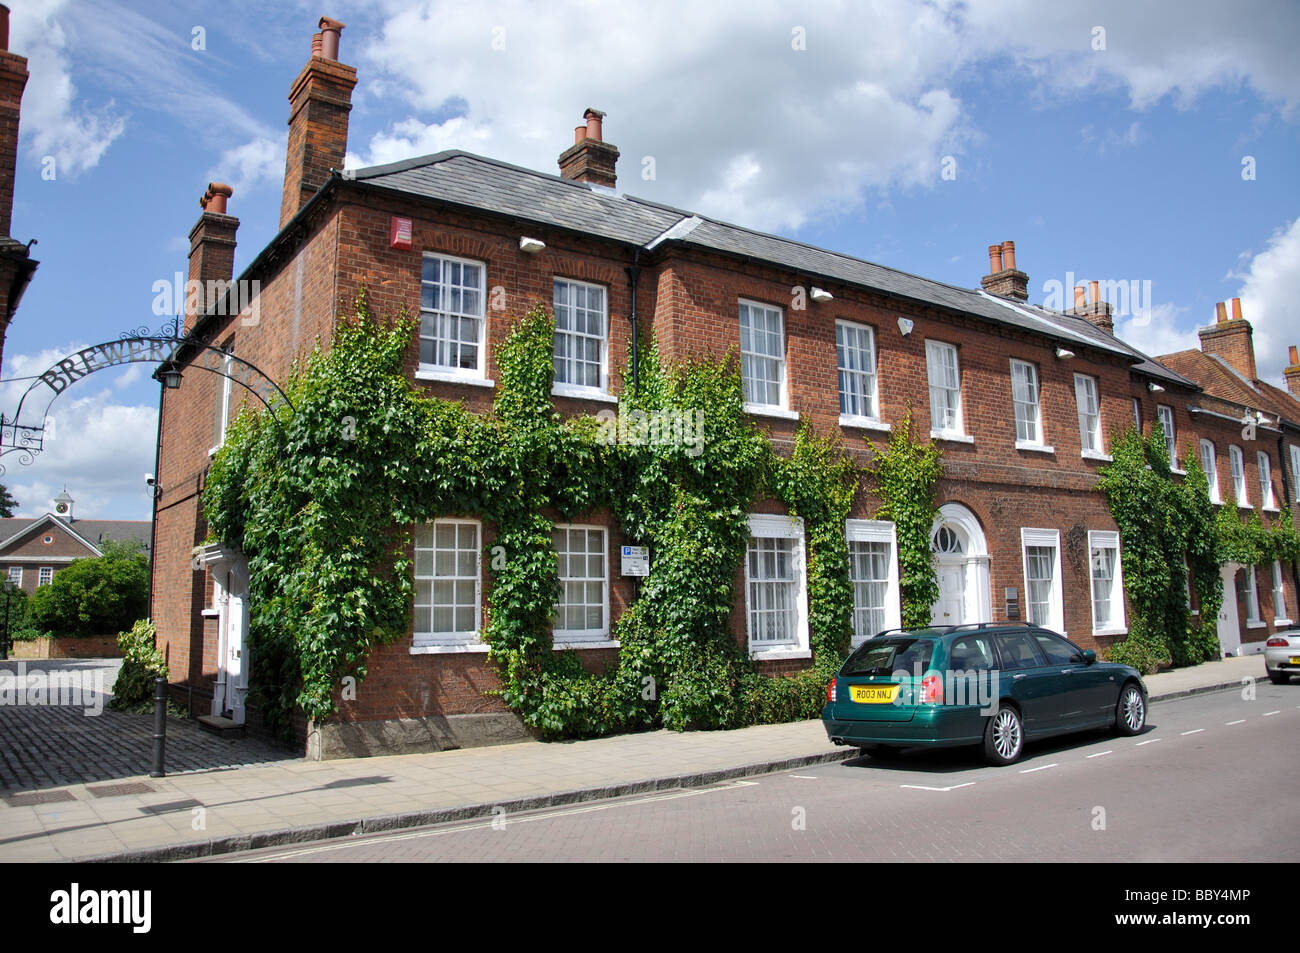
(25, 432)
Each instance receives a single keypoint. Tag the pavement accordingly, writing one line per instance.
(242, 798)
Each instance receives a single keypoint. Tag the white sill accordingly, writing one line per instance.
(1034, 447)
(1271, 509)
(582, 393)
(1282, 622)
(1178, 471)
(450, 377)
(1097, 455)
(212, 451)
(1110, 632)
(773, 654)
(767, 410)
(210, 613)
(588, 644)
(449, 648)
(1244, 506)
(865, 423)
(951, 436)
(1258, 624)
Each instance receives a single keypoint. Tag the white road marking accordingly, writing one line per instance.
(1041, 767)
(484, 825)
(1267, 713)
(1100, 754)
(1149, 741)
(805, 777)
(1239, 721)
(1193, 731)
(922, 787)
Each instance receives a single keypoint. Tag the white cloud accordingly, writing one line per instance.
(258, 161)
(96, 445)
(54, 121)
(1157, 332)
(1270, 300)
(767, 135)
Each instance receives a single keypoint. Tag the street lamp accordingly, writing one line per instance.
(171, 377)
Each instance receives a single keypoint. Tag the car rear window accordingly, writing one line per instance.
(886, 656)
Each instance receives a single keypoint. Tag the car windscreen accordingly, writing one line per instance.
(886, 656)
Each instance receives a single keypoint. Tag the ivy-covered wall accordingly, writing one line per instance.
(322, 505)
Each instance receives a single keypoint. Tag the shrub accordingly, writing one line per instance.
(93, 596)
(141, 664)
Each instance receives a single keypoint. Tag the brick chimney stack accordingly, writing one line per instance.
(16, 264)
(212, 250)
(319, 102)
(590, 158)
(1231, 339)
(1292, 373)
(1003, 278)
(1096, 310)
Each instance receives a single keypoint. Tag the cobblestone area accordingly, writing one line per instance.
(44, 745)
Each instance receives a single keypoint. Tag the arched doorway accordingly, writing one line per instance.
(961, 559)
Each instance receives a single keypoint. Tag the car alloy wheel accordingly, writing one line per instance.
(1003, 737)
(1131, 713)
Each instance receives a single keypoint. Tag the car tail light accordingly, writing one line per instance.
(1277, 643)
(830, 691)
(931, 690)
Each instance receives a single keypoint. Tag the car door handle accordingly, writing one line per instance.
(1066, 671)
(1014, 677)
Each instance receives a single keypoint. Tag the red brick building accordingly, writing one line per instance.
(16, 263)
(1022, 399)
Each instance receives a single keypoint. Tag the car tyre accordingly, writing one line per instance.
(1004, 737)
(1130, 711)
(1279, 678)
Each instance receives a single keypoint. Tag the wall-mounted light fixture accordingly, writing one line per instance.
(821, 294)
(531, 245)
(1063, 354)
(1156, 388)
(905, 326)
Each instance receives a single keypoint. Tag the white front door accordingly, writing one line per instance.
(235, 674)
(1229, 629)
(950, 607)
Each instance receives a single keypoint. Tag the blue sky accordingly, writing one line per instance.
(1105, 139)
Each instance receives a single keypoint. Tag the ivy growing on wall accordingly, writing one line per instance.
(1161, 524)
(322, 504)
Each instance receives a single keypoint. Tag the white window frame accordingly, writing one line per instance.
(1295, 472)
(1056, 604)
(783, 390)
(1036, 442)
(935, 354)
(1137, 414)
(585, 638)
(429, 642)
(1086, 386)
(427, 371)
(1165, 415)
(16, 580)
(875, 531)
(1253, 619)
(869, 420)
(1210, 464)
(1117, 624)
(568, 388)
(1237, 462)
(766, 526)
(1265, 480)
(45, 575)
(1280, 614)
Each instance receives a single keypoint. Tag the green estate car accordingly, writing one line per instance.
(992, 684)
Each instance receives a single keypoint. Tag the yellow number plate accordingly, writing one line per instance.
(873, 694)
(1295, 660)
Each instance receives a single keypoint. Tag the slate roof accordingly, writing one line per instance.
(475, 182)
(93, 531)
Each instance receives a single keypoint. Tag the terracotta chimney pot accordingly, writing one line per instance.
(1294, 355)
(1080, 296)
(995, 259)
(579, 133)
(594, 117)
(1236, 309)
(1094, 289)
(330, 30)
(1009, 255)
(1221, 313)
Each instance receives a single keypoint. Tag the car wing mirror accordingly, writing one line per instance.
(1089, 656)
